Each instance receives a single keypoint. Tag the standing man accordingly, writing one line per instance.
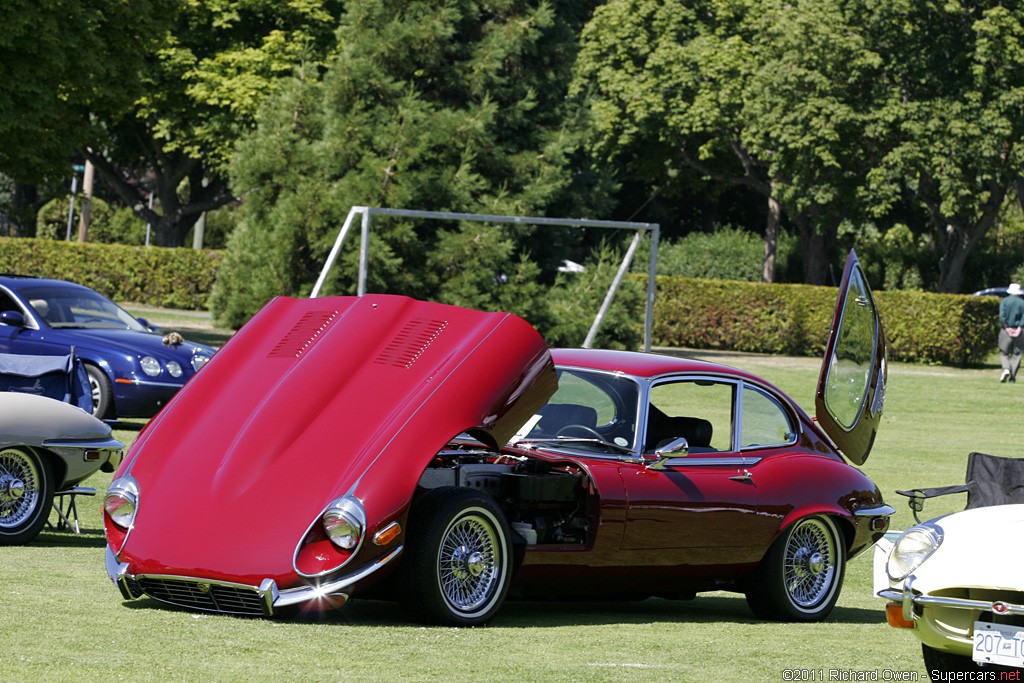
(1011, 342)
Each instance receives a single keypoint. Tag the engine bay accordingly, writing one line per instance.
(545, 502)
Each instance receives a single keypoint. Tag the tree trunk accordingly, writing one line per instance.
(817, 250)
(771, 239)
(25, 205)
(959, 237)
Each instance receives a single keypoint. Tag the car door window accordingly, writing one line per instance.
(691, 409)
(764, 422)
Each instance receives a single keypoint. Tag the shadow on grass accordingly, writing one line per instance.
(51, 538)
(530, 614)
(128, 425)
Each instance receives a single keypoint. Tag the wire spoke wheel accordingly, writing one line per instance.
(20, 487)
(467, 563)
(810, 563)
(800, 576)
(458, 563)
(26, 493)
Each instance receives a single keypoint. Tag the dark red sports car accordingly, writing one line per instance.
(383, 447)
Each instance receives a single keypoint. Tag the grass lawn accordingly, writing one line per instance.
(64, 621)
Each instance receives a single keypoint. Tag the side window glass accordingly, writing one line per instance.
(700, 411)
(764, 422)
(7, 303)
(850, 366)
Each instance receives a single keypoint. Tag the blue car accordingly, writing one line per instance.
(133, 371)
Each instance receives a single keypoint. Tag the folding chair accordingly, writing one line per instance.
(990, 480)
(65, 506)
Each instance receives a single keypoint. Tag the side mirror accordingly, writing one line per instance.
(676, 448)
(12, 318)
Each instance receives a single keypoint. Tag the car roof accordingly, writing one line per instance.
(14, 280)
(643, 364)
(17, 282)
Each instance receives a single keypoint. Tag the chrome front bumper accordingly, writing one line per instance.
(907, 598)
(234, 598)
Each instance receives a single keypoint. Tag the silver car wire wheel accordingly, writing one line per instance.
(470, 561)
(20, 487)
(810, 563)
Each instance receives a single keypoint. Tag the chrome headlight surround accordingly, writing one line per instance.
(122, 501)
(150, 366)
(912, 548)
(344, 523)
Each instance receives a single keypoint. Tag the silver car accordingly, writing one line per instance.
(46, 446)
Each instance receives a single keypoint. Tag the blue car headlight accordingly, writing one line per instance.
(150, 365)
(174, 367)
(199, 360)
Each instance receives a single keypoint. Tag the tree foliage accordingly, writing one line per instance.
(68, 64)
(951, 114)
(215, 67)
(445, 106)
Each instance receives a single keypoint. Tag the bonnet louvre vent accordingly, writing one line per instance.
(410, 343)
(306, 331)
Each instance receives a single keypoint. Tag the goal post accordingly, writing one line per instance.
(367, 212)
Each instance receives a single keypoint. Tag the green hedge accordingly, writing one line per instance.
(153, 276)
(695, 313)
(794, 320)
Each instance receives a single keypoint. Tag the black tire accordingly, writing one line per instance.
(458, 557)
(102, 393)
(26, 494)
(800, 577)
(949, 664)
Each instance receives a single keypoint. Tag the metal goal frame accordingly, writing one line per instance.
(367, 212)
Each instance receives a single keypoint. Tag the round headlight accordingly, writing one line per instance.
(913, 547)
(150, 366)
(343, 522)
(122, 501)
(174, 368)
(199, 360)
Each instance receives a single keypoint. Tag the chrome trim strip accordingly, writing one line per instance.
(267, 591)
(294, 596)
(877, 511)
(691, 461)
(149, 383)
(908, 600)
(99, 444)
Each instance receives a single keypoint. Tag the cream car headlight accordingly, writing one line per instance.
(913, 547)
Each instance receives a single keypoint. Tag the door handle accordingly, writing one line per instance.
(744, 476)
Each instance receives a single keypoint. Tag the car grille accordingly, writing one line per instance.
(209, 596)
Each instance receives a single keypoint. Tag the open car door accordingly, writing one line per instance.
(851, 386)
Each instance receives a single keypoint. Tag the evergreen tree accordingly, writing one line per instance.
(454, 105)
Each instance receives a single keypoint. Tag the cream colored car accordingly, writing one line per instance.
(46, 446)
(958, 582)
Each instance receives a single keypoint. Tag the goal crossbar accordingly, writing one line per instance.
(366, 213)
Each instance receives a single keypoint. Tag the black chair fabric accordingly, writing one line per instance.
(990, 480)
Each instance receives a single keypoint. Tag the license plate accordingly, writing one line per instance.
(998, 644)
